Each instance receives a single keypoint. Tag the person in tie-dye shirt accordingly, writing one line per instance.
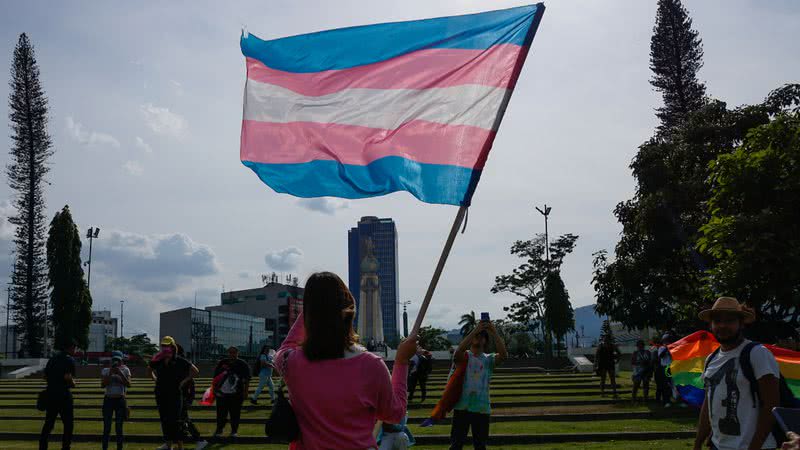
(474, 407)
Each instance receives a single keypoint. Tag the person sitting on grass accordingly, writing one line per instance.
(473, 408)
(642, 365)
(605, 361)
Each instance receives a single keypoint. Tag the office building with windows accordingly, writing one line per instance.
(205, 335)
(102, 328)
(277, 303)
(372, 248)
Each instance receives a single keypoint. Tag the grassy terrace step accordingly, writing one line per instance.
(428, 405)
(667, 444)
(495, 418)
(497, 441)
(682, 424)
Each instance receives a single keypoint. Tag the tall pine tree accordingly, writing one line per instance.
(656, 276)
(559, 315)
(69, 295)
(30, 152)
(676, 54)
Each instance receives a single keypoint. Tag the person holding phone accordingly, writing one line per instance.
(473, 409)
(116, 380)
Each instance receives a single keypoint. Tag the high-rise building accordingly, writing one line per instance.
(102, 328)
(375, 238)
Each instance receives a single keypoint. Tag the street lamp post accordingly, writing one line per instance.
(546, 213)
(121, 318)
(405, 317)
(92, 234)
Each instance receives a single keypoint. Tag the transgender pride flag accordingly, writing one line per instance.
(366, 111)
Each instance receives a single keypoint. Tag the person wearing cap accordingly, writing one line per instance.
(116, 380)
(730, 415)
(59, 374)
(231, 382)
(171, 373)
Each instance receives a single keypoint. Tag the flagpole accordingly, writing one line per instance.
(439, 268)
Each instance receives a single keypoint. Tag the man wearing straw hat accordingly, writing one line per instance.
(733, 417)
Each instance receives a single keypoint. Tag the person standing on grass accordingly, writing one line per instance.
(60, 376)
(265, 366)
(473, 409)
(337, 388)
(171, 374)
(642, 365)
(188, 394)
(116, 380)
(735, 413)
(422, 365)
(605, 361)
(232, 378)
(663, 362)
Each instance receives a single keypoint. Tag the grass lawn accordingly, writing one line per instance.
(613, 445)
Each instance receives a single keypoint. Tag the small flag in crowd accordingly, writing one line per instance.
(369, 110)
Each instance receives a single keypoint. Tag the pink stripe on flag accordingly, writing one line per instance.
(417, 70)
(420, 141)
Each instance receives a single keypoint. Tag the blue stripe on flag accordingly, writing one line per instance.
(356, 46)
(431, 183)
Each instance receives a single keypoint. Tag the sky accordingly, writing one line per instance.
(145, 115)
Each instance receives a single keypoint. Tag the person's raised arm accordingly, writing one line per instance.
(703, 427)
(293, 340)
(393, 394)
(191, 373)
(502, 353)
(126, 379)
(768, 393)
(105, 379)
(458, 356)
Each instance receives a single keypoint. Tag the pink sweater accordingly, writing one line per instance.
(338, 401)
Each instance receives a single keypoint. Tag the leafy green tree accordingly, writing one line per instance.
(559, 317)
(657, 276)
(27, 171)
(606, 335)
(528, 279)
(432, 339)
(676, 55)
(468, 323)
(69, 295)
(521, 345)
(753, 231)
(139, 345)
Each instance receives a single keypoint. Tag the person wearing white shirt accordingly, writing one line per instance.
(732, 417)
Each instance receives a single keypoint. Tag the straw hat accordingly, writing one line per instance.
(731, 305)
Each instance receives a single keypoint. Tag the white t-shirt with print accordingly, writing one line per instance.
(733, 415)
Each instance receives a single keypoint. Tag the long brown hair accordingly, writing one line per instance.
(328, 310)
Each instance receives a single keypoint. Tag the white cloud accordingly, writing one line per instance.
(133, 168)
(177, 87)
(163, 121)
(89, 138)
(6, 228)
(152, 263)
(143, 145)
(284, 260)
(324, 205)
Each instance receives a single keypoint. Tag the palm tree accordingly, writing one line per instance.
(467, 323)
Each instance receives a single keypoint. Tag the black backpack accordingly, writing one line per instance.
(785, 397)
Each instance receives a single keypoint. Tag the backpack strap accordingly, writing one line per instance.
(747, 370)
(711, 357)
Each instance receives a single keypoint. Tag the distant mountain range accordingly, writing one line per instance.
(587, 322)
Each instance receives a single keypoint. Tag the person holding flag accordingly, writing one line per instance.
(473, 408)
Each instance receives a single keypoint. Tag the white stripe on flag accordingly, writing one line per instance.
(388, 109)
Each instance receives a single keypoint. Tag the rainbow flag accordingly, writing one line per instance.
(369, 110)
(689, 356)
